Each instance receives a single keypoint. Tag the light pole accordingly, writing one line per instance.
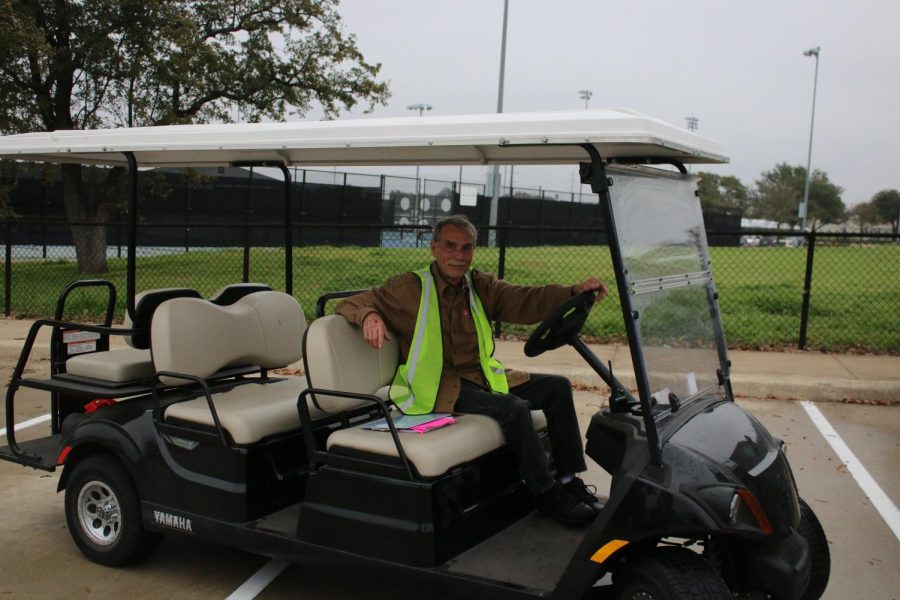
(804, 206)
(495, 172)
(586, 96)
(421, 108)
(692, 123)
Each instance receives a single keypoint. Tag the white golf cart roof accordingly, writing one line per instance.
(508, 138)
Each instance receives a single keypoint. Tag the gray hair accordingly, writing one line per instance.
(461, 221)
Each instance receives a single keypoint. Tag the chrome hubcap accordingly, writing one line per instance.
(98, 513)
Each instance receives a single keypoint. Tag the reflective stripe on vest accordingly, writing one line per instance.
(416, 382)
(494, 373)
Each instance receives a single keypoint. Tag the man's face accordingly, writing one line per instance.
(453, 253)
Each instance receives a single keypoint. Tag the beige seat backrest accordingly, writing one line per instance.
(235, 291)
(195, 337)
(145, 305)
(338, 358)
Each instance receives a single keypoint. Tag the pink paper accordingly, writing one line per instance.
(437, 423)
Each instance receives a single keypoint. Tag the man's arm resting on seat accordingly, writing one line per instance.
(359, 310)
(374, 330)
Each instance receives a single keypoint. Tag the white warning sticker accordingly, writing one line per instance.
(81, 347)
(70, 337)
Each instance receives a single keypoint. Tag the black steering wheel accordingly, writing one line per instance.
(562, 326)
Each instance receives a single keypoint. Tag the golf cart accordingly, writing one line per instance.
(198, 436)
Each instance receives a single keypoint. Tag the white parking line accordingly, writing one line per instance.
(259, 581)
(28, 423)
(885, 507)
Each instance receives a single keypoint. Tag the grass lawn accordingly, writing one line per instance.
(855, 295)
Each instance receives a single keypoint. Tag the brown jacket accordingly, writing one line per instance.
(397, 301)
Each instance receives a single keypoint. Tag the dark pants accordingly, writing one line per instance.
(549, 393)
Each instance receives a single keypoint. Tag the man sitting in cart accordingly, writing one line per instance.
(442, 316)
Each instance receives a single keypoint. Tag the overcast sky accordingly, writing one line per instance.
(736, 66)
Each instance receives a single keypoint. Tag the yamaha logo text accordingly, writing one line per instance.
(173, 521)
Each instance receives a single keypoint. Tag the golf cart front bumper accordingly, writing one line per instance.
(782, 569)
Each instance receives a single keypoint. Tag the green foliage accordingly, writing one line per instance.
(74, 64)
(887, 204)
(80, 64)
(779, 192)
(865, 214)
(268, 58)
(723, 190)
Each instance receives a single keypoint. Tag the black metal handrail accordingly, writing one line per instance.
(316, 456)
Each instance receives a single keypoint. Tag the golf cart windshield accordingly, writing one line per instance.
(667, 273)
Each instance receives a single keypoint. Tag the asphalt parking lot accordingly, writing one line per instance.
(39, 560)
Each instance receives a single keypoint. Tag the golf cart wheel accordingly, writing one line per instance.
(819, 554)
(669, 574)
(104, 515)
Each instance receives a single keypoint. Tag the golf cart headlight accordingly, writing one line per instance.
(734, 507)
(744, 499)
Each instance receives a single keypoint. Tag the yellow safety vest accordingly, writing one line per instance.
(416, 382)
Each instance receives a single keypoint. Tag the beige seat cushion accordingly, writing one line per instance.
(436, 452)
(338, 358)
(249, 412)
(195, 337)
(118, 365)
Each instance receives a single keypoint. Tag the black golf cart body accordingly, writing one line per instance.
(688, 465)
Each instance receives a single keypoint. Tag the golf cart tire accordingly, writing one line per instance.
(819, 554)
(117, 537)
(669, 574)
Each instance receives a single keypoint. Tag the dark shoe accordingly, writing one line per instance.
(564, 507)
(583, 492)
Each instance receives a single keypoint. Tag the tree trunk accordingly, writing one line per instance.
(85, 207)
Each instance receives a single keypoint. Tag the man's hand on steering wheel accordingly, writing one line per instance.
(591, 284)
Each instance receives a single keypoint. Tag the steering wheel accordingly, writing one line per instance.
(562, 326)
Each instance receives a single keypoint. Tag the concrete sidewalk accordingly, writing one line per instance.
(772, 375)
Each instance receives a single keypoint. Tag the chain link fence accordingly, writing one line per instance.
(852, 303)
(836, 292)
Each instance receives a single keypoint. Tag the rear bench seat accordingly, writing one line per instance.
(338, 358)
(134, 363)
(195, 337)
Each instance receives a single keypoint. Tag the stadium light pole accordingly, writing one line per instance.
(495, 172)
(421, 107)
(804, 206)
(586, 96)
(692, 123)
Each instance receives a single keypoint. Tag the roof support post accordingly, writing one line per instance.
(288, 216)
(132, 234)
(288, 231)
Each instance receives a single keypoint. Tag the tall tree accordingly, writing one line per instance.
(865, 213)
(719, 190)
(76, 64)
(779, 192)
(887, 203)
